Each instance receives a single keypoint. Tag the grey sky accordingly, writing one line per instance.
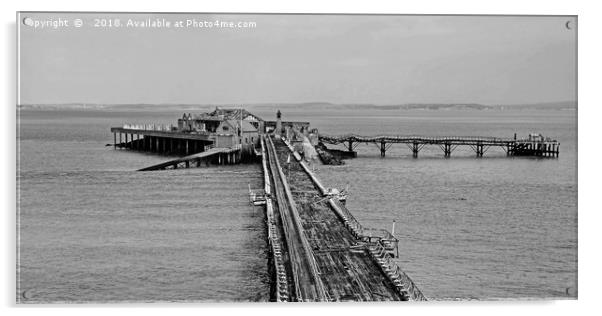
(303, 58)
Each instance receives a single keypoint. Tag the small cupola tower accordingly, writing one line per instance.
(278, 130)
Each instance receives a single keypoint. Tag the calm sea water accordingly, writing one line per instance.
(93, 229)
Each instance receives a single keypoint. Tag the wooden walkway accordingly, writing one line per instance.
(306, 277)
(543, 147)
(339, 260)
(160, 140)
(222, 155)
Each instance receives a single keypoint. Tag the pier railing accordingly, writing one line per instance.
(151, 127)
(402, 282)
(412, 138)
(282, 286)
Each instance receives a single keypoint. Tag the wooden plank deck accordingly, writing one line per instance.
(347, 270)
(191, 158)
(538, 146)
(308, 284)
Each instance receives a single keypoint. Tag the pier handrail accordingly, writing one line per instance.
(420, 138)
(378, 251)
(273, 235)
(150, 127)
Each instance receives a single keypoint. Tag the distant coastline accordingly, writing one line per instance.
(562, 105)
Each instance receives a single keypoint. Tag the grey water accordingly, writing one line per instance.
(91, 229)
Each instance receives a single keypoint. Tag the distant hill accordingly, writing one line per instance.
(564, 105)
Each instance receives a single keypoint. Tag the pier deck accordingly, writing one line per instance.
(338, 262)
(222, 155)
(539, 146)
(318, 251)
(160, 140)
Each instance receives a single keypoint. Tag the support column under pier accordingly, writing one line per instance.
(479, 150)
(447, 150)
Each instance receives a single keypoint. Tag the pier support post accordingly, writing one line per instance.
(120, 141)
(479, 150)
(447, 150)
(545, 150)
(415, 149)
(383, 149)
(156, 144)
(350, 146)
(114, 141)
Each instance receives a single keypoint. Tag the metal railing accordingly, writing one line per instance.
(275, 242)
(151, 127)
(337, 139)
(400, 279)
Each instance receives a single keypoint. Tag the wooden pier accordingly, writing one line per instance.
(159, 139)
(193, 150)
(327, 255)
(318, 250)
(532, 146)
(216, 156)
